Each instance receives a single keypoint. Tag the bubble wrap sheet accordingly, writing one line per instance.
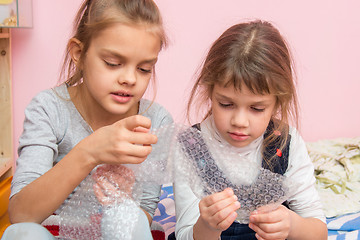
(182, 154)
(111, 215)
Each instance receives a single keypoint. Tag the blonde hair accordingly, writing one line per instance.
(255, 55)
(95, 15)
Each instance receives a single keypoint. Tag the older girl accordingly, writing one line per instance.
(98, 116)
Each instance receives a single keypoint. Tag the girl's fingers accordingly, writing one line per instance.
(223, 218)
(261, 234)
(131, 153)
(112, 187)
(123, 179)
(224, 207)
(216, 197)
(104, 200)
(226, 211)
(139, 126)
(217, 201)
(225, 224)
(271, 225)
(271, 216)
(219, 209)
(106, 186)
(135, 121)
(119, 143)
(142, 138)
(141, 129)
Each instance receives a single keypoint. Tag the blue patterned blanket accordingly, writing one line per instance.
(346, 227)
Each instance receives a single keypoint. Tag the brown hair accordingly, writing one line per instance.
(255, 55)
(95, 15)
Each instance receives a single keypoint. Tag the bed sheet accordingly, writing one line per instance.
(346, 227)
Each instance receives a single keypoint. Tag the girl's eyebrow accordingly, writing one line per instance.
(226, 98)
(119, 56)
(218, 95)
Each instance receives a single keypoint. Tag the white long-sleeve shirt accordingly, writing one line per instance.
(304, 201)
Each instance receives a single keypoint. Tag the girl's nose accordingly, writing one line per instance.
(127, 76)
(240, 119)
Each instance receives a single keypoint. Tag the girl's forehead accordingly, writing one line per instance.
(232, 93)
(231, 87)
(128, 38)
(254, 81)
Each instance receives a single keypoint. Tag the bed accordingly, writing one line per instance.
(337, 170)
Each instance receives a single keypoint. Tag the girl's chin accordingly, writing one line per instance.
(237, 143)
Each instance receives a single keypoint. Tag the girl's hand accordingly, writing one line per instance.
(217, 211)
(125, 141)
(271, 225)
(113, 183)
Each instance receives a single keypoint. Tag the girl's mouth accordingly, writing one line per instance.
(121, 97)
(238, 136)
(122, 94)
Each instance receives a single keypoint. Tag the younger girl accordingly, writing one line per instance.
(247, 81)
(98, 116)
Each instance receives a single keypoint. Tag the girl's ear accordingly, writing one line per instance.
(75, 48)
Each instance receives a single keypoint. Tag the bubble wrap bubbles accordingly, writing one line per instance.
(206, 157)
(254, 186)
(186, 154)
(162, 163)
(268, 192)
(106, 204)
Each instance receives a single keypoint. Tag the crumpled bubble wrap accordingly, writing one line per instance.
(184, 154)
(112, 216)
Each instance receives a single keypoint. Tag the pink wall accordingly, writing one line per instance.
(324, 37)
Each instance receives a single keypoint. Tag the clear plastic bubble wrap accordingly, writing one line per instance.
(104, 206)
(183, 154)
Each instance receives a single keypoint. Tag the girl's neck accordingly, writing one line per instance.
(95, 115)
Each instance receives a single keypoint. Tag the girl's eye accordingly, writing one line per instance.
(258, 109)
(225, 105)
(111, 64)
(143, 70)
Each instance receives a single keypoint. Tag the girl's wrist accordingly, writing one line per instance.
(294, 221)
(87, 159)
(202, 230)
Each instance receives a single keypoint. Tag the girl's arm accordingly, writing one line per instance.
(307, 228)
(186, 209)
(39, 199)
(306, 218)
(113, 144)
